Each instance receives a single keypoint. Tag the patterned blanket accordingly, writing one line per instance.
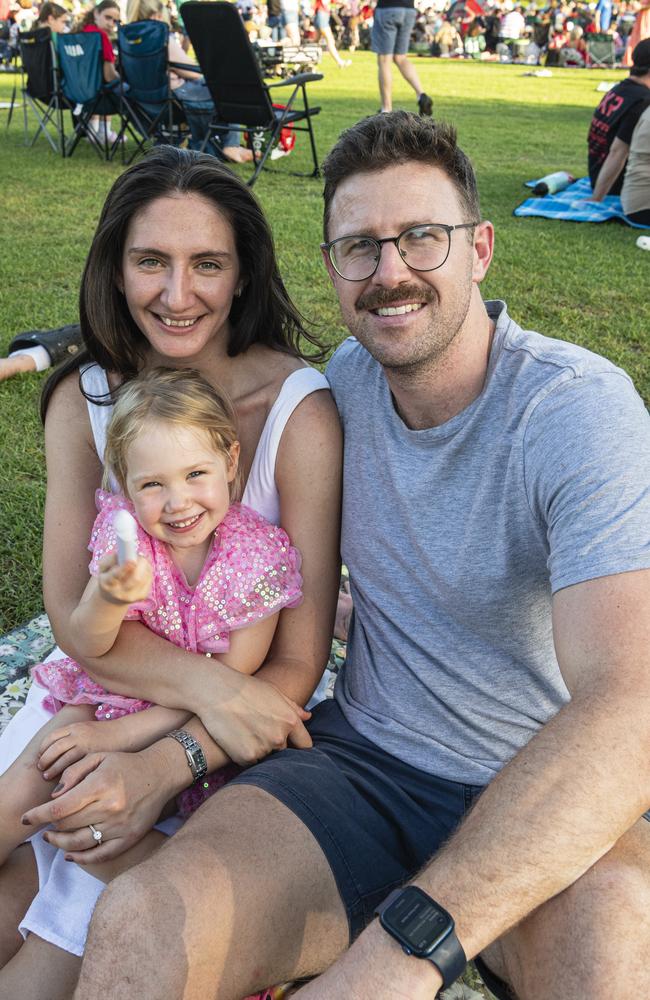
(570, 205)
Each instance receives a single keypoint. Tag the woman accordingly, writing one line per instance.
(640, 31)
(181, 272)
(189, 87)
(104, 18)
(54, 17)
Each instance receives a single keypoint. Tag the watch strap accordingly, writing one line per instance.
(448, 956)
(193, 751)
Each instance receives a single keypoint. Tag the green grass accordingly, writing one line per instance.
(586, 283)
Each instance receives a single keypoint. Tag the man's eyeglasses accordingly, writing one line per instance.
(422, 248)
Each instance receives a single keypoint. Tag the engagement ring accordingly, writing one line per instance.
(97, 834)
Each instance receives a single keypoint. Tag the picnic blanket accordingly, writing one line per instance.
(568, 205)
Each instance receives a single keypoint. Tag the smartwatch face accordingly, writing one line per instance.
(417, 922)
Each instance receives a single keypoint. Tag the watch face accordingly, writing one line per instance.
(416, 921)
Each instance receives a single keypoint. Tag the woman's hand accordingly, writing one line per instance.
(124, 584)
(249, 718)
(69, 744)
(121, 794)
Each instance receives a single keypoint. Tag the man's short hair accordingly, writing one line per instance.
(641, 58)
(386, 140)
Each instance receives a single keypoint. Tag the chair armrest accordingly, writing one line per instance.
(189, 66)
(295, 81)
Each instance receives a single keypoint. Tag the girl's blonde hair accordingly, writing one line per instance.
(173, 396)
(143, 10)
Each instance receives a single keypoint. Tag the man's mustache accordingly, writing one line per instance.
(379, 298)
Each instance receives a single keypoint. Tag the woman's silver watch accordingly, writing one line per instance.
(193, 751)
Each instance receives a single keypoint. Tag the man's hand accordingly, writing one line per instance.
(375, 968)
(124, 584)
(250, 718)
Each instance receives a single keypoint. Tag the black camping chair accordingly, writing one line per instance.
(232, 74)
(82, 82)
(41, 89)
(149, 104)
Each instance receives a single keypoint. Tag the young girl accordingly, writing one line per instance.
(210, 575)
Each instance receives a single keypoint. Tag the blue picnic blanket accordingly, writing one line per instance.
(567, 204)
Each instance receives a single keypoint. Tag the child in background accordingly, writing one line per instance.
(210, 576)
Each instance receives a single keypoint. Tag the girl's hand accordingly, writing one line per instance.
(124, 584)
(121, 794)
(251, 718)
(66, 745)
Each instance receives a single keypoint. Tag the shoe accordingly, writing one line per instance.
(425, 104)
(345, 63)
(113, 137)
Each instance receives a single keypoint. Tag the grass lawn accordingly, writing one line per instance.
(587, 283)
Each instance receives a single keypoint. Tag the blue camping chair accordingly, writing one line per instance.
(150, 105)
(82, 82)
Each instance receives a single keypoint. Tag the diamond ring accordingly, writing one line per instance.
(97, 834)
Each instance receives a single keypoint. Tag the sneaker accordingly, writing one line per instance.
(113, 137)
(345, 63)
(425, 104)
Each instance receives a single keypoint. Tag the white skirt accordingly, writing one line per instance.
(61, 910)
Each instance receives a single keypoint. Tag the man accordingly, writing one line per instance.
(489, 735)
(391, 34)
(614, 122)
(635, 193)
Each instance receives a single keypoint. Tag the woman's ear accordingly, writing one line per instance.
(119, 282)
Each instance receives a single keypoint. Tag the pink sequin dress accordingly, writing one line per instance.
(251, 572)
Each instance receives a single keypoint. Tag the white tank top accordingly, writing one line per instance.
(261, 492)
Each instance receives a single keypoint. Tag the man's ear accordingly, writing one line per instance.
(483, 250)
(328, 264)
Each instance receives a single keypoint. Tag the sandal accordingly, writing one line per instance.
(60, 343)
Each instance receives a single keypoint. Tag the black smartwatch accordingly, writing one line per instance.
(424, 929)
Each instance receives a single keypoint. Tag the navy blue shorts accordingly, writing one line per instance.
(376, 819)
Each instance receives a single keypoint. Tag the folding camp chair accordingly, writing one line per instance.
(232, 74)
(601, 51)
(41, 89)
(150, 104)
(82, 82)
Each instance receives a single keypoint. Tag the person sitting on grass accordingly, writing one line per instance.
(479, 784)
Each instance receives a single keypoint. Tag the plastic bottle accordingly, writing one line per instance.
(553, 183)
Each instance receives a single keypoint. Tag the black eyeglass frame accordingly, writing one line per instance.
(327, 247)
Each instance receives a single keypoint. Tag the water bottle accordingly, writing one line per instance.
(553, 183)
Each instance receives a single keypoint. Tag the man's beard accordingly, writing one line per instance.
(442, 330)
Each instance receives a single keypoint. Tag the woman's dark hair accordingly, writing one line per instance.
(88, 16)
(262, 314)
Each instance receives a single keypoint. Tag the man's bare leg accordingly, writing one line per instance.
(593, 939)
(385, 76)
(242, 897)
(18, 886)
(409, 72)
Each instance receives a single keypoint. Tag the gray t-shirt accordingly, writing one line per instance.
(457, 535)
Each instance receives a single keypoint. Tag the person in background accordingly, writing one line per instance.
(324, 32)
(54, 17)
(635, 193)
(189, 87)
(391, 35)
(103, 18)
(613, 124)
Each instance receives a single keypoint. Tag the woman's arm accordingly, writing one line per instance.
(176, 55)
(110, 73)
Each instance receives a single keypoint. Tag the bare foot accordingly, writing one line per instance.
(237, 154)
